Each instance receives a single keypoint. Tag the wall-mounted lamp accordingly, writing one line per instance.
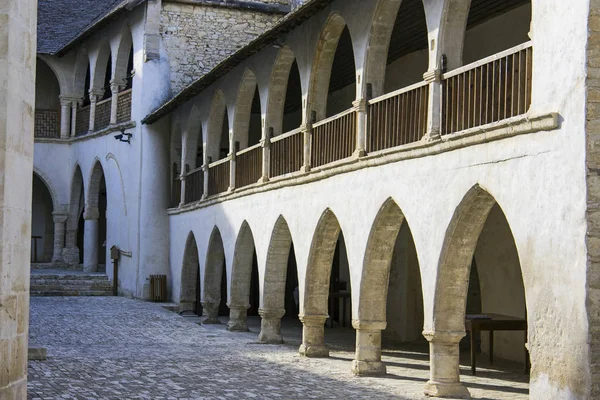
(123, 134)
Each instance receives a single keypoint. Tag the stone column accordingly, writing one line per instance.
(270, 326)
(233, 149)
(184, 171)
(367, 360)
(434, 105)
(313, 336)
(71, 252)
(115, 87)
(210, 313)
(74, 105)
(361, 128)
(266, 153)
(17, 91)
(444, 378)
(182, 194)
(59, 236)
(205, 171)
(238, 318)
(94, 95)
(90, 239)
(65, 116)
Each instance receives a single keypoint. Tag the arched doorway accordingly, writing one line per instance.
(189, 299)
(75, 226)
(478, 235)
(42, 222)
(214, 301)
(47, 102)
(95, 222)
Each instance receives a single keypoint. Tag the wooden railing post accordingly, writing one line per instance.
(266, 150)
(308, 141)
(434, 105)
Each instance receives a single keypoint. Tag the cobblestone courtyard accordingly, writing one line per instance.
(115, 348)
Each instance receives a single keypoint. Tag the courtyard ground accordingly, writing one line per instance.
(116, 348)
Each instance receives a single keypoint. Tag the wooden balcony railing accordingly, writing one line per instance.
(398, 118)
(102, 117)
(333, 138)
(287, 153)
(82, 125)
(218, 176)
(47, 124)
(489, 90)
(124, 106)
(176, 192)
(194, 185)
(248, 166)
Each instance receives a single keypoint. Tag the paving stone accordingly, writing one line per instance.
(116, 348)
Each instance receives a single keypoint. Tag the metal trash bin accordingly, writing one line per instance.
(158, 288)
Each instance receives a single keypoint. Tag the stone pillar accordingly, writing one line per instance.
(210, 313)
(444, 378)
(65, 116)
(367, 360)
(233, 149)
(270, 326)
(59, 236)
(182, 194)
(238, 318)
(94, 95)
(17, 91)
(71, 252)
(307, 129)
(266, 153)
(115, 87)
(205, 182)
(90, 239)
(361, 127)
(313, 336)
(74, 105)
(434, 105)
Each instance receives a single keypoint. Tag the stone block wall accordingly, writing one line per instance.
(593, 193)
(199, 36)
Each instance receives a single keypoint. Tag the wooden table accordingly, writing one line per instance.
(491, 323)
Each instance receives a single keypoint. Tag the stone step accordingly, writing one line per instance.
(69, 283)
(56, 266)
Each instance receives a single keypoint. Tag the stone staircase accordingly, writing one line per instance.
(46, 282)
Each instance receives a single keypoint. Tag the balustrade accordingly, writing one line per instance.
(218, 176)
(334, 138)
(46, 124)
(248, 166)
(194, 185)
(124, 106)
(398, 118)
(102, 117)
(287, 152)
(176, 192)
(489, 90)
(83, 121)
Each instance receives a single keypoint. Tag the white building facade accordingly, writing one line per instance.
(417, 160)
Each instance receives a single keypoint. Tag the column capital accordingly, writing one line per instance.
(118, 82)
(60, 218)
(66, 100)
(450, 337)
(432, 76)
(270, 313)
(94, 93)
(313, 320)
(91, 213)
(360, 105)
(368, 325)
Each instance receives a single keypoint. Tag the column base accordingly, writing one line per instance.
(269, 337)
(58, 260)
(447, 390)
(358, 153)
(368, 368)
(237, 326)
(270, 326)
(71, 255)
(211, 321)
(263, 179)
(313, 351)
(90, 268)
(305, 169)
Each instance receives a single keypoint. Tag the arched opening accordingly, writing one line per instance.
(327, 286)
(479, 237)
(248, 115)
(42, 222)
(331, 93)
(95, 222)
(124, 60)
(214, 302)
(244, 281)
(189, 299)
(47, 101)
(280, 295)
(107, 93)
(87, 86)
(284, 109)
(255, 130)
(224, 143)
(75, 226)
(494, 26)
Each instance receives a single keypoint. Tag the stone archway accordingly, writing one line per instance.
(244, 105)
(216, 122)
(462, 239)
(42, 222)
(214, 273)
(190, 271)
(71, 252)
(244, 257)
(279, 90)
(95, 220)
